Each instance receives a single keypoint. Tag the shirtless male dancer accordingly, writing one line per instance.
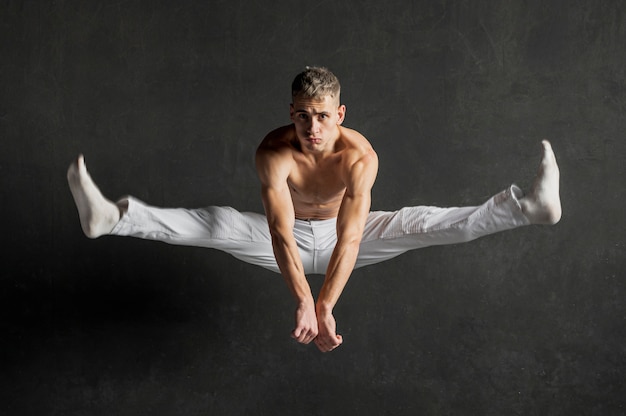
(316, 179)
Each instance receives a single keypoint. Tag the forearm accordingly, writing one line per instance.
(339, 270)
(290, 265)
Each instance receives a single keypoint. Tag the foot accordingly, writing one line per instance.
(97, 214)
(542, 205)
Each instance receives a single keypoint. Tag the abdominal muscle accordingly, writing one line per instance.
(308, 210)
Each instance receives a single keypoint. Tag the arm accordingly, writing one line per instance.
(351, 219)
(273, 169)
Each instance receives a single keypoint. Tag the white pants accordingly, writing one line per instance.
(245, 235)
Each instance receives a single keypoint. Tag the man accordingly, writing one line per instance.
(316, 180)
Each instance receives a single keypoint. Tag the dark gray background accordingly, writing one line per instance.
(168, 101)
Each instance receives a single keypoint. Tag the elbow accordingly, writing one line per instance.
(350, 236)
(351, 241)
(279, 234)
(277, 239)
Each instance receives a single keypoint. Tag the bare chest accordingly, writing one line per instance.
(317, 184)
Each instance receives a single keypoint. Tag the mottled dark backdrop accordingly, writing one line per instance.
(168, 101)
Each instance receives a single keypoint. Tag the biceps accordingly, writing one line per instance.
(352, 216)
(278, 208)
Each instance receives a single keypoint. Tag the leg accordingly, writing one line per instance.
(243, 235)
(389, 234)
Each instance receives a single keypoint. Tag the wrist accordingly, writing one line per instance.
(305, 300)
(323, 307)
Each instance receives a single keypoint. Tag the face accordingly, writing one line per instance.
(317, 121)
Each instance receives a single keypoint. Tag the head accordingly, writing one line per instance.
(316, 110)
(316, 83)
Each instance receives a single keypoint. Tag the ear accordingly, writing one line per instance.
(341, 112)
(292, 111)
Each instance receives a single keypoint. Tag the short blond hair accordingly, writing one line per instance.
(316, 82)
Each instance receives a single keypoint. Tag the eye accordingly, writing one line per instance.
(302, 116)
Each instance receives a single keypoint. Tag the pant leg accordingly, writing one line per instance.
(389, 234)
(244, 235)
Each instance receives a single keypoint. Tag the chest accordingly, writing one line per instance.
(317, 183)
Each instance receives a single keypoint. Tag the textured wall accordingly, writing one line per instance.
(168, 101)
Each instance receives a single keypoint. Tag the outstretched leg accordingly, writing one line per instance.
(388, 234)
(97, 214)
(542, 205)
(244, 235)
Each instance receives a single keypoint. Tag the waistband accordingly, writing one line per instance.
(313, 221)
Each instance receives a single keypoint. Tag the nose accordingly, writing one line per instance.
(313, 125)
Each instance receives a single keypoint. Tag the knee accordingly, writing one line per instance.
(219, 221)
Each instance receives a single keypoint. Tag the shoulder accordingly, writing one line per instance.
(277, 142)
(358, 150)
(360, 161)
(274, 156)
(278, 138)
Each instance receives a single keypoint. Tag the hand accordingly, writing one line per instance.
(327, 340)
(306, 323)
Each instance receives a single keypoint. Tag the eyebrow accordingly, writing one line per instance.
(313, 112)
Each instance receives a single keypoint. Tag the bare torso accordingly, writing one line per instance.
(317, 184)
